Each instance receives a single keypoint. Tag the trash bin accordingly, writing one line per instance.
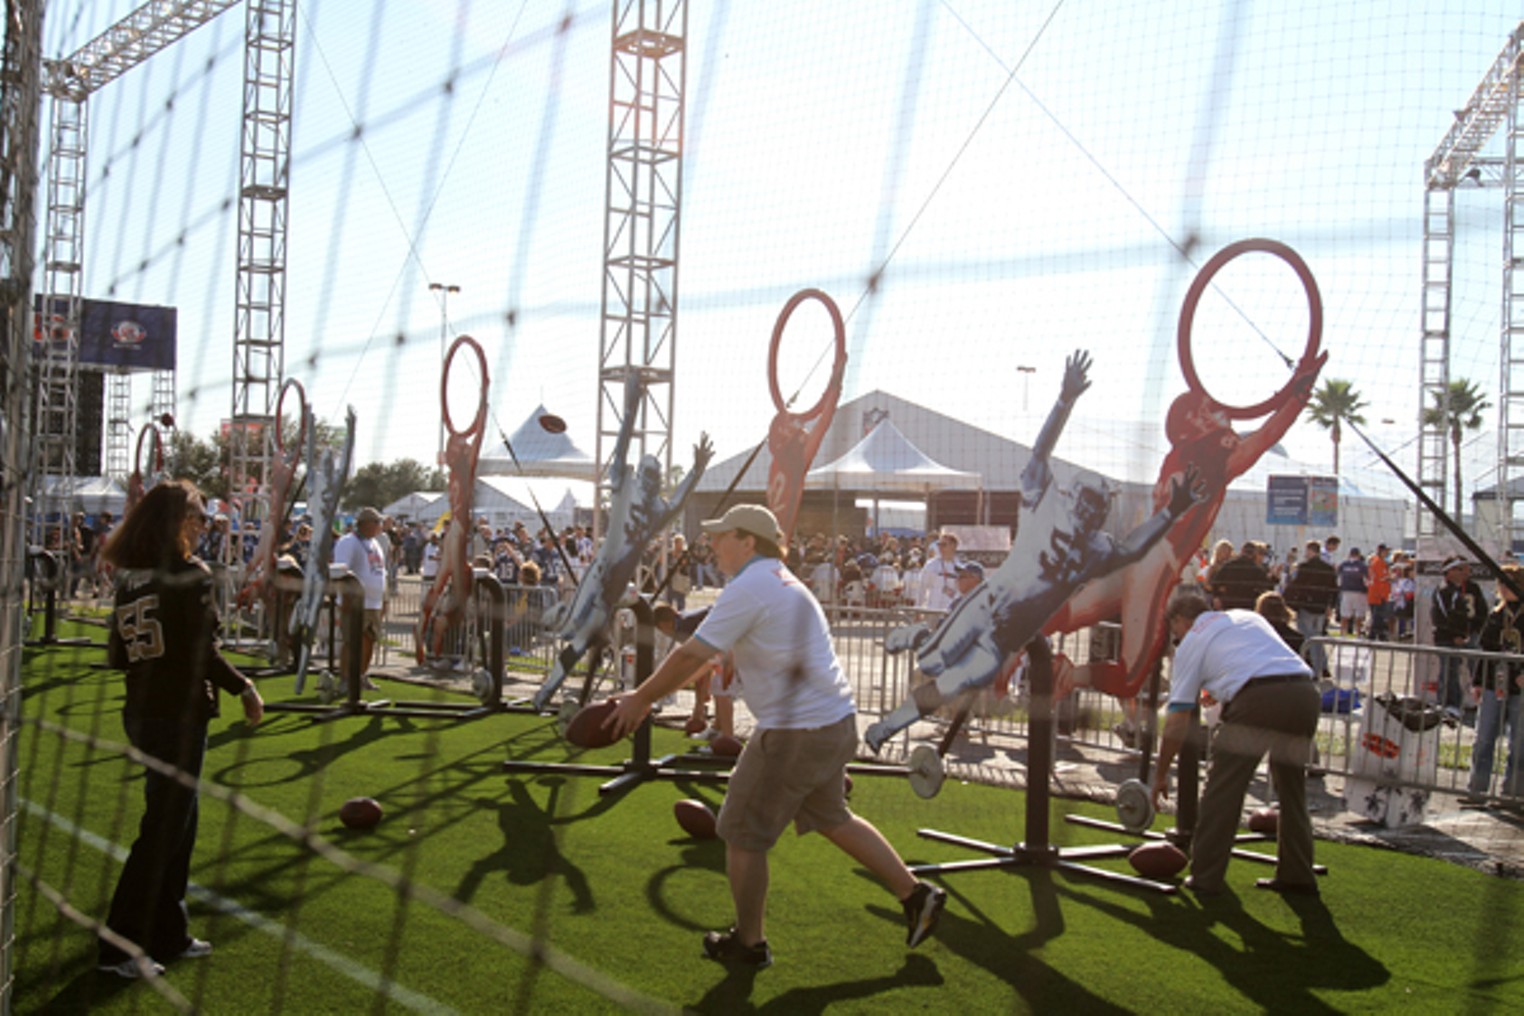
(1396, 759)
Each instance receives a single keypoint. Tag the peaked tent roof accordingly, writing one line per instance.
(885, 462)
(540, 453)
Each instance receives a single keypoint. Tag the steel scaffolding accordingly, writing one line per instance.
(69, 82)
(1458, 164)
(20, 103)
(642, 201)
(259, 334)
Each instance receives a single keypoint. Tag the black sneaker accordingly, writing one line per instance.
(726, 947)
(922, 908)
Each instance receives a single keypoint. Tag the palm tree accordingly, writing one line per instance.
(1465, 413)
(1336, 401)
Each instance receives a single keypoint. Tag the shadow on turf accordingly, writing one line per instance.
(733, 993)
(1275, 971)
(530, 852)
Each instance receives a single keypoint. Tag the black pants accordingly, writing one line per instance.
(148, 906)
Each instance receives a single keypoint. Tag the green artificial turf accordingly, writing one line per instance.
(611, 882)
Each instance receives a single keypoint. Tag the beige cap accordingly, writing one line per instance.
(367, 514)
(747, 518)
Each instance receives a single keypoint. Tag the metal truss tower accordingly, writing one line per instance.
(20, 104)
(69, 82)
(259, 338)
(1458, 164)
(642, 201)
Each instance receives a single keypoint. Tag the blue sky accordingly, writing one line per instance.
(1025, 176)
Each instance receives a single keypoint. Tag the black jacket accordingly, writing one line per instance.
(1237, 583)
(1458, 612)
(1313, 586)
(1503, 632)
(163, 634)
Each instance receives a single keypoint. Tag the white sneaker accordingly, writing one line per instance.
(131, 970)
(198, 948)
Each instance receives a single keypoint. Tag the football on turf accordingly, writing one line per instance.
(725, 745)
(1159, 859)
(360, 812)
(586, 729)
(1264, 821)
(695, 725)
(695, 818)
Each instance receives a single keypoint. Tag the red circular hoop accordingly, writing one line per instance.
(155, 449)
(772, 353)
(280, 416)
(1193, 297)
(444, 401)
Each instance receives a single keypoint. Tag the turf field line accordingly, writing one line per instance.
(534, 948)
(358, 972)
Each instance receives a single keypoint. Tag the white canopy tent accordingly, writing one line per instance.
(884, 464)
(540, 453)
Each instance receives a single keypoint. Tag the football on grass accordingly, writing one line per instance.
(1160, 859)
(586, 729)
(360, 812)
(695, 818)
(726, 746)
(1264, 821)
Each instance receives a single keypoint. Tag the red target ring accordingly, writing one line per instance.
(444, 402)
(772, 353)
(1193, 298)
(155, 451)
(291, 384)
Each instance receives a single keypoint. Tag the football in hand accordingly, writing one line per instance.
(586, 729)
(1158, 859)
(695, 818)
(360, 812)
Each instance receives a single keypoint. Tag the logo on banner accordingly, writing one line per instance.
(128, 334)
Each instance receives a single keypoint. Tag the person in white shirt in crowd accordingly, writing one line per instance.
(362, 552)
(939, 578)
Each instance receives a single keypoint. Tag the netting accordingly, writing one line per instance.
(982, 187)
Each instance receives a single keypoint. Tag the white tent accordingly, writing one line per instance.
(540, 453)
(886, 463)
(411, 506)
(90, 494)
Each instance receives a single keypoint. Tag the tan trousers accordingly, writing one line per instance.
(1275, 718)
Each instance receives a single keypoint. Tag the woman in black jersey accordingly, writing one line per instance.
(163, 634)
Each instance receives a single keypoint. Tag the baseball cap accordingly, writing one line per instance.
(367, 514)
(971, 568)
(752, 519)
(1455, 561)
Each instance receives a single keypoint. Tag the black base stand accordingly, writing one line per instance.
(352, 598)
(48, 572)
(1188, 790)
(641, 767)
(1036, 851)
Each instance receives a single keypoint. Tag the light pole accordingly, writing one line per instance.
(1026, 386)
(444, 290)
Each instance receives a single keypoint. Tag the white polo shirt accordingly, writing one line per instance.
(1223, 651)
(791, 678)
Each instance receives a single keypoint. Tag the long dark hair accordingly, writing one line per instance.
(153, 534)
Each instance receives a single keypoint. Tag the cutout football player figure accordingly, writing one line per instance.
(326, 476)
(1200, 434)
(259, 583)
(637, 513)
(1059, 547)
(791, 446)
(444, 605)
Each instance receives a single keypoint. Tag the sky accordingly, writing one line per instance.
(1022, 179)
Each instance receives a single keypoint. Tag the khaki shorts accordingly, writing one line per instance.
(788, 776)
(372, 625)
